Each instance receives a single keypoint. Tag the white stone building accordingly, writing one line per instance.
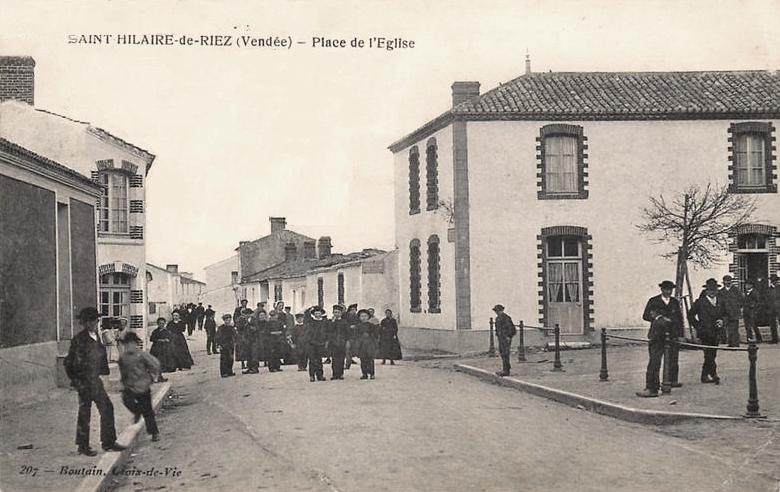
(168, 287)
(546, 176)
(221, 289)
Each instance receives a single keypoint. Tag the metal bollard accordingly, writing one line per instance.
(492, 347)
(603, 374)
(520, 343)
(557, 366)
(666, 384)
(752, 403)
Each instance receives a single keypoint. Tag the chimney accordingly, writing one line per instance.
(324, 246)
(463, 91)
(17, 78)
(309, 250)
(527, 63)
(290, 252)
(172, 268)
(278, 224)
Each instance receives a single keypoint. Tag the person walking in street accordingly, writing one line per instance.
(181, 352)
(708, 315)
(315, 338)
(138, 370)
(505, 330)
(750, 312)
(296, 337)
(664, 314)
(389, 346)
(200, 315)
(85, 363)
(211, 332)
(337, 342)
(773, 299)
(226, 341)
(162, 348)
(732, 299)
(367, 341)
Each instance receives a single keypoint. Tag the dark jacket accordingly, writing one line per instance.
(315, 332)
(703, 316)
(656, 307)
(226, 336)
(338, 333)
(211, 326)
(86, 360)
(367, 339)
(732, 301)
(773, 298)
(505, 328)
(752, 304)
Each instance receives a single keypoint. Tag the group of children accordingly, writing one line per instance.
(251, 336)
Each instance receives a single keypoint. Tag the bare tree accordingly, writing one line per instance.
(697, 222)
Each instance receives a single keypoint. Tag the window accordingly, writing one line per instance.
(562, 162)
(115, 295)
(751, 242)
(415, 284)
(277, 292)
(113, 210)
(752, 166)
(434, 275)
(414, 181)
(432, 174)
(320, 292)
(152, 308)
(340, 279)
(563, 269)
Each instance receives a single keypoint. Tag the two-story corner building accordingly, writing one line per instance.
(119, 167)
(529, 195)
(168, 287)
(47, 266)
(222, 285)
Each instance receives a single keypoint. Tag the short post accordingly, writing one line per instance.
(492, 347)
(603, 374)
(557, 366)
(666, 384)
(520, 343)
(752, 403)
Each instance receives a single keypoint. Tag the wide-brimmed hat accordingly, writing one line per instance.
(364, 311)
(711, 283)
(498, 307)
(727, 278)
(667, 284)
(89, 314)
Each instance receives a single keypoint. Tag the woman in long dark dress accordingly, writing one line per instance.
(367, 340)
(389, 346)
(180, 351)
(162, 348)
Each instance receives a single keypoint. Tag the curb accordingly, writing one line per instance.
(422, 357)
(128, 437)
(614, 410)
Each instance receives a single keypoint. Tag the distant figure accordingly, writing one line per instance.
(181, 352)
(138, 370)
(210, 311)
(237, 311)
(338, 334)
(773, 297)
(296, 337)
(314, 338)
(708, 315)
(85, 363)
(211, 332)
(252, 333)
(243, 340)
(371, 318)
(162, 348)
(226, 340)
(505, 330)
(750, 312)
(732, 300)
(109, 339)
(200, 315)
(389, 345)
(352, 318)
(367, 341)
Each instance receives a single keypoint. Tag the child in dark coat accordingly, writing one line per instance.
(226, 341)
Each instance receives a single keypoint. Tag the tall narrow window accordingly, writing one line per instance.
(277, 292)
(434, 275)
(113, 211)
(562, 167)
(340, 288)
(320, 292)
(115, 295)
(414, 180)
(432, 174)
(752, 166)
(415, 284)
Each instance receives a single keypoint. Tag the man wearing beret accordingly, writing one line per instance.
(85, 363)
(664, 314)
(732, 301)
(505, 330)
(708, 315)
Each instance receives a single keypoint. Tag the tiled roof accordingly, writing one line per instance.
(53, 166)
(618, 96)
(580, 94)
(299, 268)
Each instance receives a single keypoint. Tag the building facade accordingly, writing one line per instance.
(47, 265)
(167, 287)
(530, 195)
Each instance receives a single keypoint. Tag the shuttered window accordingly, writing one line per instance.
(415, 284)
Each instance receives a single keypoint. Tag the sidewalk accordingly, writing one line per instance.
(46, 431)
(626, 366)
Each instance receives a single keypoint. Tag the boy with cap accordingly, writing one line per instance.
(138, 370)
(367, 341)
(85, 363)
(337, 342)
(314, 339)
(505, 330)
(664, 314)
(226, 341)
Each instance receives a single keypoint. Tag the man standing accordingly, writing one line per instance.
(732, 300)
(337, 342)
(237, 312)
(773, 301)
(226, 340)
(200, 315)
(254, 326)
(314, 338)
(750, 313)
(211, 332)
(664, 314)
(210, 311)
(505, 330)
(707, 315)
(85, 363)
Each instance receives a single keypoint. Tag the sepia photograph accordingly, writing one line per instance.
(526, 245)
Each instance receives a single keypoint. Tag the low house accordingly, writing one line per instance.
(167, 287)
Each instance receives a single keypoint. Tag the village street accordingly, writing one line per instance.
(418, 426)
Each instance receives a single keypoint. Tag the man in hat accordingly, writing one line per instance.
(773, 300)
(352, 319)
(337, 341)
(314, 339)
(226, 341)
(665, 316)
(200, 315)
(85, 363)
(237, 312)
(750, 311)
(732, 300)
(708, 316)
(505, 330)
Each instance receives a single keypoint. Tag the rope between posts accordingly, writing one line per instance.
(629, 338)
(715, 347)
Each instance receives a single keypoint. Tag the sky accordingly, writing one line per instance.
(241, 134)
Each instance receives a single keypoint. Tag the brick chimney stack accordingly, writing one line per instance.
(17, 78)
(278, 224)
(290, 252)
(324, 247)
(463, 91)
(309, 250)
(172, 268)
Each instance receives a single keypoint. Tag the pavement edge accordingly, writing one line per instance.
(128, 437)
(614, 410)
